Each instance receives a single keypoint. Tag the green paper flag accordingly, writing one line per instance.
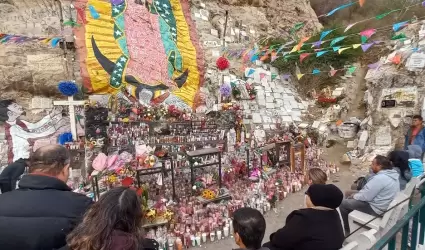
(298, 26)
(352, 69)
(399, 36)
(274, 76)
(71, 23)
(364, 39)
(379, 17)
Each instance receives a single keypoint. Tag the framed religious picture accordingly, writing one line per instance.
(284, 153)
(298, 158)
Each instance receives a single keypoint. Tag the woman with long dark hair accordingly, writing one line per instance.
(400, 161)
(112, 223)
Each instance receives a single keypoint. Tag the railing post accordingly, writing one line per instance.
(391, 244)
(421, 225)
(414, 241)
(405, 237)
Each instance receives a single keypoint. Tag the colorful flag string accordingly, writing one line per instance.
(17, 39)
(349, 70)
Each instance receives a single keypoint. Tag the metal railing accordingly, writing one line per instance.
(412, 223)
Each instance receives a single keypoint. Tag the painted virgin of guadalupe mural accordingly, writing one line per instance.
(147, 49)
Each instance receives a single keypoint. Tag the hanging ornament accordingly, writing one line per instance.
(222, 63)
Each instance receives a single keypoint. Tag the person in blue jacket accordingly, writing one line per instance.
(416, 134)
(415, 160)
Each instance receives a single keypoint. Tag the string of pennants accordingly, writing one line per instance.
(18, 39)
(274, 51)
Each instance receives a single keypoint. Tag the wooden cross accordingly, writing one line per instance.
(71, 104)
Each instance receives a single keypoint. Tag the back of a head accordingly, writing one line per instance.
(415, 151)
(50, 160)
(118, 210)
(317, 176)
(399, 159)
(329, 195)
(250, 225)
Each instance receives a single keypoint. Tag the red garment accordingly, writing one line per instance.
(415, 132)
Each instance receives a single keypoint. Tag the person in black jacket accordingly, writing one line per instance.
(112, 223)
(317, 227)
(43, 210)
(10, 175)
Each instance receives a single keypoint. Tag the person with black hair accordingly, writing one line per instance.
(400, 161)
(18, 132)
(375, 197)
(112, 223)
(318, 226)
(249, 227)
(416, 133)
(43, 210)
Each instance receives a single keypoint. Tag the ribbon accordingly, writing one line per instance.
(349, 26)
(321, 53)
(340, 8)
(303, 56)
(316, 72)
(342, 50)
(368, 33)
(399, 26)
(333, 72)
(299, 76)
(366, 46)
(374, 65)
(337, 40)
(379, 17)
(325, 33)
(352, 69)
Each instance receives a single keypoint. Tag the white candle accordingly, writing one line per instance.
(204, 237)
(192, 238)
(219, 234)
(226, 231)
(212, 236)
(198, 240)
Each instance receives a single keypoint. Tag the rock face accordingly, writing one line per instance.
(34, 68)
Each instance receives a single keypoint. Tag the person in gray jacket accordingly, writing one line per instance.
(376, 195)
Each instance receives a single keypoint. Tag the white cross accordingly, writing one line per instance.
(71, 104)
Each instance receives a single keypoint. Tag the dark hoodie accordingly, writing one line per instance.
(10, 175)
(400, 161)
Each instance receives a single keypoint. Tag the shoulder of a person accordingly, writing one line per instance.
(149, 244)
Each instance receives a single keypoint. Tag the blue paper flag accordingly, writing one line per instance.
(251, 71)
(54, 42)
(321, 53)
(316, 71)
(93, 12)
(325, 33)
(340, 8)
(337, 40)
(399, 26)
(254, 58)
(336, 48)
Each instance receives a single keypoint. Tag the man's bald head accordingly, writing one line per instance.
(51, 160)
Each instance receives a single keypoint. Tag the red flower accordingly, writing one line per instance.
(127, 181)
(222, 63)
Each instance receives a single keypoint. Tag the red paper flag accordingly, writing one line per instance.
(361, 2)
(303, 56)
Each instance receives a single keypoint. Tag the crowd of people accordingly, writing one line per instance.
(44, 213)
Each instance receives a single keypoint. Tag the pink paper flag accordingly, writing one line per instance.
(303, 56)
(349, 27)
(333, 72)
(262, 75)
(366, 46)
(368, 33)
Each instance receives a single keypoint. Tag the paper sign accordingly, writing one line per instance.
(214, 32)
